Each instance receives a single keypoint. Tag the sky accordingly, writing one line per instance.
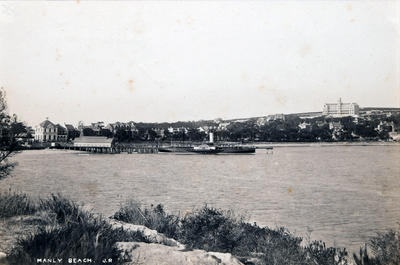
(173, 60)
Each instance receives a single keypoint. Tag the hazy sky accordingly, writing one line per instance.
(168, 61)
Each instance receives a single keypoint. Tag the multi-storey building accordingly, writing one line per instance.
(62, 133)
(341, 109)
(46, 132)
(50, 132)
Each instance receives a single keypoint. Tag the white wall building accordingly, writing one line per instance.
(46, 132)
(341, 109)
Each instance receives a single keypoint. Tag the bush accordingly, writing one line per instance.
(14, 204)
(385, 248)
(213, 229)
(64, 211)
(74, 233)
(210, 229)
(320, 254)
(281, 247)
(94, 240)
(154, 218)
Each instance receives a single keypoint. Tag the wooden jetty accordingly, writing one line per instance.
(104, 145)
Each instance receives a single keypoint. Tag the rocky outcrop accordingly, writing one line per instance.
(163, 250)
(2, 256)
(149, 234)
(157, 254)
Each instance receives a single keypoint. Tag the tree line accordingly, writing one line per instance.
(318, 129)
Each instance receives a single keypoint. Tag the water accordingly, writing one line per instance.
(342, 195)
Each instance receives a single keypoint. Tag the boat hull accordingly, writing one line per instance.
(206, 152)
(238, 150)
(219, 149)
(173, 149)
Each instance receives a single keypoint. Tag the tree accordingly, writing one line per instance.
(106, 132)
(88, 132)
(121, 135)
(10, 134)
(167, 134)
(195, 135)
(151, 135)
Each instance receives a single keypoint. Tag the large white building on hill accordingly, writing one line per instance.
(341, 109)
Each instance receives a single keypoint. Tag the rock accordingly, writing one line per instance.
(156, 254)
(3, 256)
(149, 234)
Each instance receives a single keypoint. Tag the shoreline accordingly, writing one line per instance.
(261, 145)
(325, 144)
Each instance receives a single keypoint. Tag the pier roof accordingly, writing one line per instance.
(93, 141)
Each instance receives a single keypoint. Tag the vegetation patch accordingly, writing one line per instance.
(154, 218)
(72, 232)
(66, 231)
(216, 230)
(385, 248)
(15, 204)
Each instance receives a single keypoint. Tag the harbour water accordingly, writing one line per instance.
(342, 195)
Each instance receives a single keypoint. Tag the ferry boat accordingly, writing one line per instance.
(209, 148)
(200, 149)
(206, 149)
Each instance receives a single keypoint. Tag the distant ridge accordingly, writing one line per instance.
(380, 108)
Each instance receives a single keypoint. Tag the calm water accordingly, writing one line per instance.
(340, 194)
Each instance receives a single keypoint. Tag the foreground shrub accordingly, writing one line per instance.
(213, 229)
(318, 253)
(154, 218)
(281, 247)
(385, 248)
(364, 258)
(210, 229)
(75, 233)
(94, 240)
(63, 210)
(14, 204)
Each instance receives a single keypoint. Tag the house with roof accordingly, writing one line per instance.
(305, 126)
(46, 132)
(62, 133)
(72, 132)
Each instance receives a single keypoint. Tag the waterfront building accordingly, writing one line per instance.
(158, 131)
(385, 126)
(62, 133)
(321, 124)
(46, 132)
(127, 126)
(223, 126)
(71, 131)
(305, 126)
(261, 121)
(97, 126)
(335, 126)
(341, 109)
(177, 129)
